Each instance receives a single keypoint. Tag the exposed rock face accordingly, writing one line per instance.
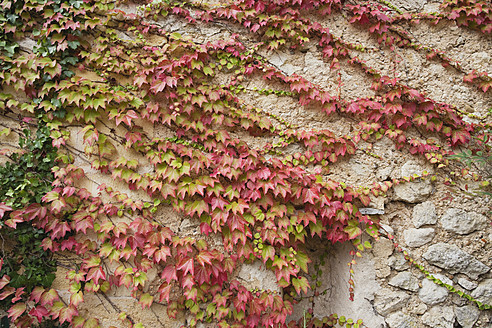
(388, 301)
(424, 213)
(257, 276)
(483, 292)
(418, 237)
(401, 320)
(405, 280)
(398, 262)
(467, 284)
(461, 222)
(412, 192)
(453, 259)
(439, 317)
(467, 315)
(431, 293)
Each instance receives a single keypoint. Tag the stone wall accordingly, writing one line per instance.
(443, 229)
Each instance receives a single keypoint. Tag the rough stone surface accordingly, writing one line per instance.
(412, 192)
(401, 320)
(388, 301)
(424, 213)
(453, 259)
(439, 317)
(483, 292)
(405, 280)
(257, 276)
(335, 276)
(467, 315)
(398, 262)
(467, 284)
(431, 293)
(461, 222)
(418, 237)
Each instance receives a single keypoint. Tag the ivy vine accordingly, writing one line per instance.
(110, 75)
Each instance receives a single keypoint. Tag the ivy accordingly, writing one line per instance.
(261, 204)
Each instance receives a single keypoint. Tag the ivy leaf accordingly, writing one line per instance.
(49, 297)
(352, 229)
(164, 292)
(66, 314)
(302, 260)
(76, 298)
(91, 323)
(205, 257)
(16, 310)
(4, 208)
(4, 281)
(39, 312)
(169, 274)
(146, 300)
(300, 283)
(186, 265)
(268, 252)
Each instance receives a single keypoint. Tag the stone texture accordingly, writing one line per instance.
(467, 284)
(418, 237)
(256, 276)
(335, 276)
(439, 317)
(410, 5)
(411, 168)
(431, 293)
(401, 320)
(412, 192)
(424, 213)
(398, 262)
(461, 222)
(453, 259)
(467, 315)
(483, 292)
(388, 301)
(405, 280)
(383, 248)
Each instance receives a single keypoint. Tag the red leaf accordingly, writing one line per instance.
(164, 290)
(49, 297)
(460, 136)
(4, 208)
(187, 265)
(146, 300)
(39, 312)
(16, 311)
(4, 281)
(310, 196)
(169, 273)
(205, 257)
(66, 314)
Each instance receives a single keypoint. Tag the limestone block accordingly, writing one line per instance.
(453, 259)
(467, 284)
(418, 237)
(439, 317)
(383, 248)
(467, 315)
(388, 301)
(424, 213)
(401, 320)
(431, 293)
(483, 292)
(405, 280)
(398, 262)
(412, 192)
(256, 276)
(461, 222)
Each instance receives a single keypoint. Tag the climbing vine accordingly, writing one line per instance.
(106, 77)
